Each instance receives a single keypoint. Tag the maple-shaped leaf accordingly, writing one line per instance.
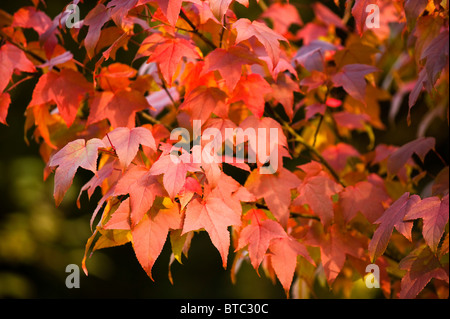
(283, 15)
(436, 55)
(39, 21)
(266, 36)
(283, 256)
(392, 217)
(283, 92)
(352, 78)
(360, 14)
(203, 101)
(120, 219)
(335, 244)
(150, 234)
(275, 189)
(338, 155)
(171, 9)
(364, 197)
(12, 58)
(66, 88)
(168, 53)
(5, 101)
(108, 173)
(251, 89)
(401, 156)
(229, 63)
(219, 8)
(118, 107)
(422, 266)
(190, 188)
(29, 17)
(325, 15)
(351, 121)
(213, 215)
(95, 19)
(258, 235)
(311, 32)
(116, 76)
(125, 142)
(312, 57)
(78, 153)
(275, 144)
(230, 191)
(317, 192)
(434, 213)
(174, 170)
(414, 9)
(143, 188)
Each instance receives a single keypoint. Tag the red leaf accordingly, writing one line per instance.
(316, 192)
(120, 219)
(351, 121)
(143, 188)
(219, 8)
(5, 101)
(351, 78)
(258, 236)
(335, 244)
(434, 213)
(283, 15)
(214, 215)
(401, 156)
(75, 154)
(327, 16)
(436, 55)
(29, 17)
(229, 63)
(203, 101)
(422, 266)
(171, 9)
(66, 88)
(174, 170)
(126, 142)
(118, 107)
(338, 155)
(95, 19)
(168, 53)
(364, 197)
(284, 252)
(266, 36)
(360, 14)
(275, 189)
(150, 235)
(283, 92)
(251, 89)
(392, 217)
(12, 58)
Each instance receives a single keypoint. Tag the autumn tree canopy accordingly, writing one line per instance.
(286, 130)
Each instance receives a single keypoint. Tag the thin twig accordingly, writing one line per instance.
(153, 121)
(195, 30)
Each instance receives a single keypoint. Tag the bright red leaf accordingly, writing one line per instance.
(78, 153)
